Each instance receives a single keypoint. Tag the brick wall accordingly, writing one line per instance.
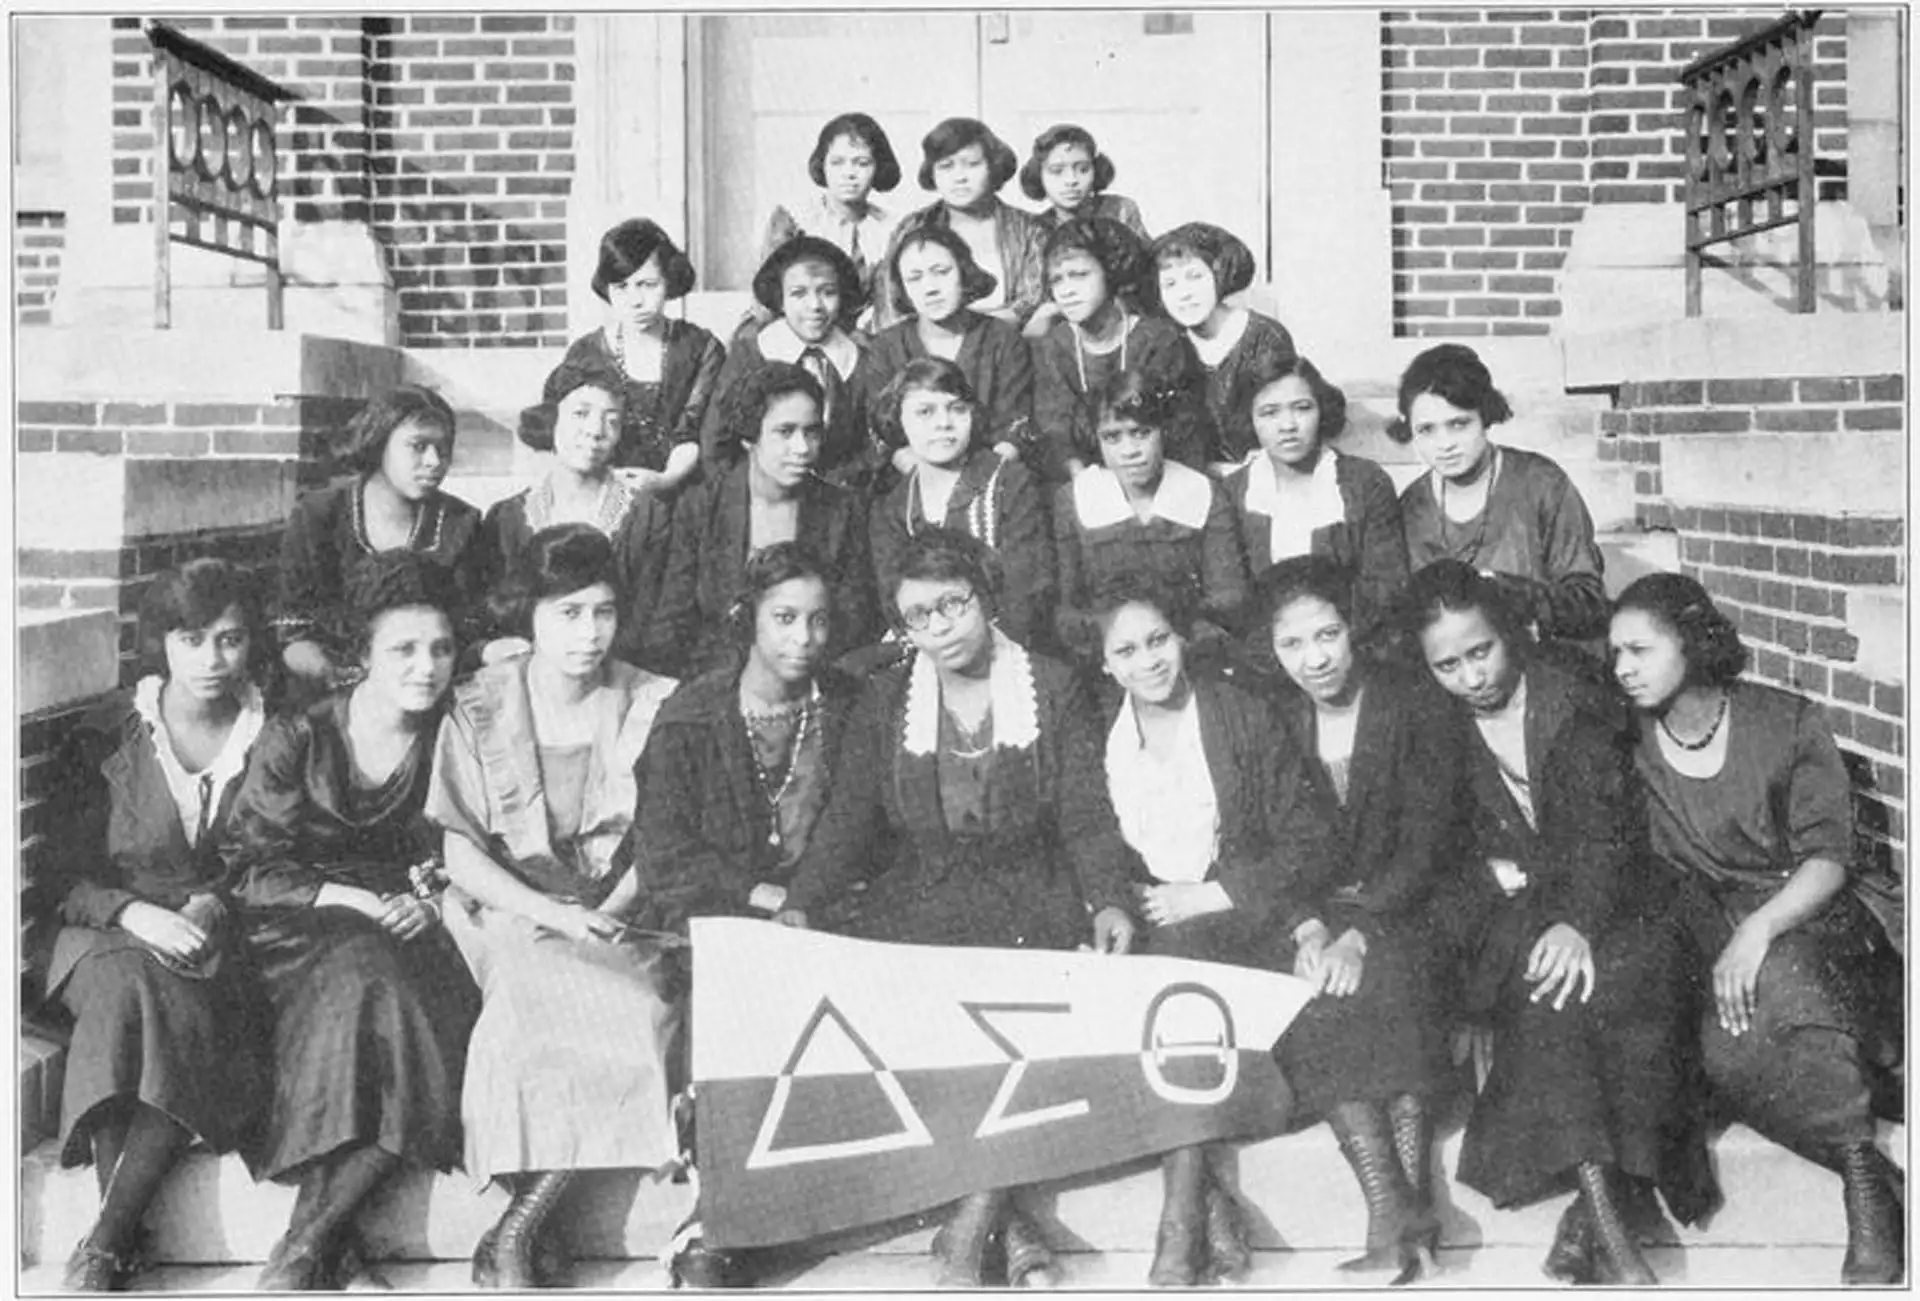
(39, 242)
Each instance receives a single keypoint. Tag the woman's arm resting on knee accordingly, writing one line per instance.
(1736, 972)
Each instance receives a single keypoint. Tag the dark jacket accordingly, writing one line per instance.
(1022, 240)
(1232, 384)
(1157, 350)
(998, 365)
(654, 419)
(846, 449)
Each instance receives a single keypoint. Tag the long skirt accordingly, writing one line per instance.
(183, 1045)
(568, 1066)
(369, 1039)
(1003, 890)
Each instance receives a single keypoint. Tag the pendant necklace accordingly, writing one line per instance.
(773, 792)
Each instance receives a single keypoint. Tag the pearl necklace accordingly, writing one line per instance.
(1706, 739)
(769, 791)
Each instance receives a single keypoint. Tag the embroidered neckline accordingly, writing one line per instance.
(428, 515)
(1012, 701)
(616, 499)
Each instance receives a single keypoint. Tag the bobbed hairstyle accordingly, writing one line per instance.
(1331, 400)
(589, 371)
(1299, 578)
(744, 406)
(766, 569)
(928, 374)
(1032, 172)
(1122, 255)
(976, 282)
(769, 282)
(395, 580)
(1163, 402)
(368, 432)
(860, 127)
(955, 134)
(626, 248)
(1455, 373)
(1224, 253)
(554, 562)
(1709, 641)
(1449, 586)
(944, 555)
(190, 597)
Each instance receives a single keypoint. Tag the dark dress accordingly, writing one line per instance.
(1396, 837)
(998, 365)
(369, 1034)
(1232, 384)
(184, 1043)
(1022, 275)
(704, 836)
(1114, 207)
(656, 417)
(1828, 1012)
(997, 501)
(1067, 382)
(707, 560)
(640, 525)
(1015, 849)
(846, 451)
(1366, 539)
(1611, 1080)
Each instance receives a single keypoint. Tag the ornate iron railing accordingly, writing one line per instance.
(215, 168)
(1750, 143)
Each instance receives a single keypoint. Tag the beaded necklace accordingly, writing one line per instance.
(770, 791)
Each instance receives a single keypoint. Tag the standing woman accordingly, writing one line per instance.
(400, 447)
(579, 420)
(370, 1001)
(1304, 498)
(1752, 822)
(1579, 972)
(668, 368)
(970, 782)
(968, 165)
(851, 161)
(1198, 268)
(1067, 172)
(1092, 265)
(1504, 511)
(1388, 760)
(772, 493)
(935, 271)
(957, 482)
(533, 787)
(1143, 511)
(1223, 827)
(162, 1054)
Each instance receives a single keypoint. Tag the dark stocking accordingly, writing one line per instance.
(151, 1143)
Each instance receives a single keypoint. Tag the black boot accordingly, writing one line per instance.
(1413, 1143)
(505, 1257)
(1570, 1258)
(1870, 1187)
(1616, 1256)
(962, 1245)
(1397, 1232)
(1030, 1261)
(1182, 1236)
(1228, 1258)
(90, 1269)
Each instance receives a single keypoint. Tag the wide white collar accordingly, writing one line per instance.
(1324, 503)
(1013, 700)
(1184, 497)
(778, 342)
(232, 759)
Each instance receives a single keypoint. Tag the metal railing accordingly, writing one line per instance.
(216, 173)
(1750, 143)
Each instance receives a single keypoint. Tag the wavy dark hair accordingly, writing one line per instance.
(1455, 373)
(370, 430)
(395, 580)
(856, 126)
(1167, 402)
(955, 134)
(1032, 172)
(1449, 586)
(932, 374)
(1298, 578)
(1709, 641)
(190, 597)
(1176, 602)
(554, 562)
(1224, 253)
(590, 370)
(976, 282)
(1329, 397)
(944, 555)
(744, 406)
(766, 569)
(625, 248)
(769, 281)
(1122, 255)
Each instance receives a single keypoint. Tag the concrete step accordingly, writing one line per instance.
(1297, 1188)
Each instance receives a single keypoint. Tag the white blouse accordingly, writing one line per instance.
(198, 794)
(1167, 810)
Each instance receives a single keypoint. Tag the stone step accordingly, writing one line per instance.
(1297, 1188)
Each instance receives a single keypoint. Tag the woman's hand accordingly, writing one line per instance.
(1560, 960)
(793, 917)
(407, 916)
(587, 925)
(1112, 930)
(641, 479)
(1181, 901)
(353, 899)
(1342, 963)
(1042, 320)
(1736, 974)
(1310, 940)
(164, 931)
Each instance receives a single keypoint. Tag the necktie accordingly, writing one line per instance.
(822, 370)
(206, 808)
(853, 252)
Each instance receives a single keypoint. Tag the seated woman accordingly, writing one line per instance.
(667, 368)
(1223, 825)
(163, 1050)
(933, 269)
(1502, 510)
(968, 165)
(851, 162)
(771, 494)
(959, 483)
(1144, 511)
(969, 785)
(1092, 264)
(815, 293)
(1752, 823)
(1304, 498)
(1581, 975)
(400, 447)
(370, 1002)
(1387, 763)
(1198, 268)
(579, 421)
(533, 787)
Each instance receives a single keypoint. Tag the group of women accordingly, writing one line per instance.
(887, 620)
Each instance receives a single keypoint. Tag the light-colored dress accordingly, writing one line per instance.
(567, 1069)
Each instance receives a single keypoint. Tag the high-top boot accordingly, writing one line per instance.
(1413, 1143)
(1228, 1258)
(1570, 1258)
(1182, 1236)
(1396, 1230)
(1870, 1186)
(963, 1243)
(1030, 1261)
(505, 1257)
(1616, 1256)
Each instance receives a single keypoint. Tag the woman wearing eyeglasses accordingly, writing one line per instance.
(970, 781)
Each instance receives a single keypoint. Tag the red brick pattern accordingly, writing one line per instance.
(39, 242)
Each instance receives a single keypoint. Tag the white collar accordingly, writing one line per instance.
(831, 220)
(227, 765)
(1324, 503)
(1214, 351)
(778, 342)
(1184, 497)
(1015, 705)
(1126, 740)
